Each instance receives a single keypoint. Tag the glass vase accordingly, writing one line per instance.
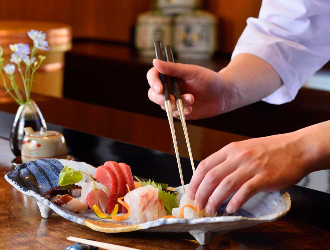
(28, 115)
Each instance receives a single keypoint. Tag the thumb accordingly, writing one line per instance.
(183, 71)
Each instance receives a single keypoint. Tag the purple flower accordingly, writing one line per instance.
(15, 58)
(23, 50)
(9, 69)
(34, 34)
(41, 44)
(29, 61)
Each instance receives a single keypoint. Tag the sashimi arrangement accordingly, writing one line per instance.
(112, 194)
(91, 197)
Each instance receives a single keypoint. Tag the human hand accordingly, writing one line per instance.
(251, 166)
(204, 93)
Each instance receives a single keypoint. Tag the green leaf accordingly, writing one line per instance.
(168, 198)
(160, 186)
(169, 201)
(69, 176)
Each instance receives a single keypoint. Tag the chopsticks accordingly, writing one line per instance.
(168, 106)
(177, 94)
(100, 244)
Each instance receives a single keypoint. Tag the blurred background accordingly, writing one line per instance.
(101, 52)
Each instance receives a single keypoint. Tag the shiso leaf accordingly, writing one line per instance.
(169, 201)
(168, 198)
(69, 176)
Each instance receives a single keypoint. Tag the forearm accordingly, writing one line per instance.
(313, 145)
(249, 79)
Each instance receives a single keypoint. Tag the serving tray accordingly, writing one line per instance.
(35, 178)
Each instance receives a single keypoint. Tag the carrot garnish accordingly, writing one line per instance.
(168, 216)
(190, 206)
(124, 216)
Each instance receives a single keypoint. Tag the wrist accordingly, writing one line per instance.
(231, 94)
(313, 144)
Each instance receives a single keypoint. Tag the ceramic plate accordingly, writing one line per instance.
(35, 178)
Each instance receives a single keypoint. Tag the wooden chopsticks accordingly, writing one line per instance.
(100, 244)
(168, 106)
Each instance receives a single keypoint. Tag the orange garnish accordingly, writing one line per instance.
(190, 206)
(124, 216)
(168, 216)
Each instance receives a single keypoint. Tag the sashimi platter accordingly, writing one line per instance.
(111, 199)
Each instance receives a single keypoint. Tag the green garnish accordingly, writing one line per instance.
(168, 198)
(69, 176)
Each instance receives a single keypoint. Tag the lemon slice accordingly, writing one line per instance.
(102, 215)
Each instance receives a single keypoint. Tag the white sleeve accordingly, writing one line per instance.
(293, 36)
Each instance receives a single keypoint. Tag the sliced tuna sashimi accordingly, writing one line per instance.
(122, 189)
(114, 166)
(105, 176)
(128, 175)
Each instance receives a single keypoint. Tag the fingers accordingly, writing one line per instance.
(212, 179)
(183, 71)
(249, 189)
(154, 81)
(227, 186)
(203, 168)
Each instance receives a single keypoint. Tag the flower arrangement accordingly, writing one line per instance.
(21, 53)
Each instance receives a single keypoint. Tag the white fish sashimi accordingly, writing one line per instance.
(188, 212)
(144, 204)
(88, 187)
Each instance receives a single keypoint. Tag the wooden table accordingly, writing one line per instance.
(23, 228)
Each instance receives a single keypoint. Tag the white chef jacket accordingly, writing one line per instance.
(293, 36)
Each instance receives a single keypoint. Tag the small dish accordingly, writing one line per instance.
(35, 178)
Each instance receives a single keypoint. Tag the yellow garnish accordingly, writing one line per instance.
(102, 215)
(190, 206)
(125, 216)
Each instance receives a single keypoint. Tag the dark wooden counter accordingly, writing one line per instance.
(304, 227)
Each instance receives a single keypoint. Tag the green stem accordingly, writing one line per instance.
(24, 82)
(14, 86)
(7, 89)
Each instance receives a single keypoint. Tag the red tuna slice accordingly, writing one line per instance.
(128, 175)
(114, 166)
(99, 198)
(105, 176)
(122, 189)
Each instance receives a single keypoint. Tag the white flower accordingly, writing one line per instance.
(15, 58)
(14, 47)
(29, 61)
(34, 34)
(9, 69)
(41, 44)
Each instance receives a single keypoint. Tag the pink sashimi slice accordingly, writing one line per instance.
(128, 175)
(99, 198)
(105, 176)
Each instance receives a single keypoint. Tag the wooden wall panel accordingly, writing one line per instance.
(100, 19)
(232, 16)
(112, 19)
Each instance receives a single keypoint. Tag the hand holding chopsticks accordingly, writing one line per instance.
(168, 107)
